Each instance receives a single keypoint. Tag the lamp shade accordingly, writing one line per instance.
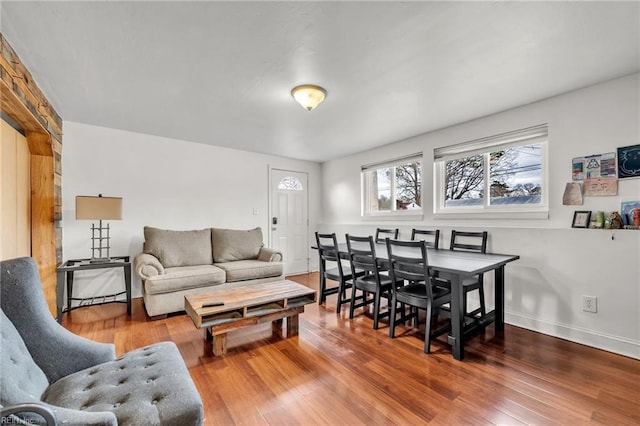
(98, 208)
(308, 95)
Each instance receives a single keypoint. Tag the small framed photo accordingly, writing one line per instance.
(581, 219)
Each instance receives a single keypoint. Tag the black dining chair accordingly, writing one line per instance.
(332, 268)
(473, 242)
(408, 262)
(382, 233)
(362, 255)
(430, 237)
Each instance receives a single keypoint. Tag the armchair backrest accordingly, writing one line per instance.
(22, 301)
(22, 380)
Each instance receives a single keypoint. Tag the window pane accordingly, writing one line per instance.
(464, 181)
(393, 187)
(409, 186)
(383, 189)
(290, 183)
(516, 175)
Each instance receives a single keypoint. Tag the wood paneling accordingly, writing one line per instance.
(22, 100)
(15, 193)
(42, 219)
(341, 371)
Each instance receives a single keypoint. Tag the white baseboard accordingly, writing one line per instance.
(604, 341)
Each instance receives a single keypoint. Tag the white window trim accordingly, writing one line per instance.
(532, 135)
(392, 214)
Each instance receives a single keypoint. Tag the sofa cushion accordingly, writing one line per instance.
(179, 248)
(241, 270)
(184, 277)
(150, 385)
(233, 244)
(22, 379)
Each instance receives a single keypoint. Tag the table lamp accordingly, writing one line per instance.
(99, 208)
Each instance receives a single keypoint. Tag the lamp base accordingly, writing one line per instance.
(100, 260)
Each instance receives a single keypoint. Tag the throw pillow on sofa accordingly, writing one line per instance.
(232, 244)
(179, 248)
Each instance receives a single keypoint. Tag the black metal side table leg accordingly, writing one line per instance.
(69, 289)
(127, 284)
(60, 279)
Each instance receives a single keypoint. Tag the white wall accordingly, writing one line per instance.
(558, 264)
(165, 183)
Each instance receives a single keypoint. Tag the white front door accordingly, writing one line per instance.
(289, 219)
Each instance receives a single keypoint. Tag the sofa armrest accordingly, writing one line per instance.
(267, 254)
(147, 266)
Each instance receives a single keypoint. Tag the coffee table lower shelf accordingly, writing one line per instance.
(218, 333)
(247, 305)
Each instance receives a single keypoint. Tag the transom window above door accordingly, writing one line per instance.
(290, 183)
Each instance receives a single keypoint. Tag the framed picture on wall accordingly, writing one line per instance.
(629, 162)
(581, 219)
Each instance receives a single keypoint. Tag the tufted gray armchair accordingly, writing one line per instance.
(81, 381)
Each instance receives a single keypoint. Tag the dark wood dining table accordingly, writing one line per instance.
(455, 266)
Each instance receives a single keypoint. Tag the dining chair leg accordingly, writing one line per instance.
(323, 286)
(392, 318)
(427, 329)
(353, 301)
(341, 294)
(483, 308)
(376, 310)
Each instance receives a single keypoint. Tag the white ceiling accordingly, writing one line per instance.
(220, 73)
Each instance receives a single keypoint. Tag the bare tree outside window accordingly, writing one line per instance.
(394, 188)
(514, 177)
(409, 184)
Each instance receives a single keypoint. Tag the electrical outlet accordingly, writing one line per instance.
(589, 303)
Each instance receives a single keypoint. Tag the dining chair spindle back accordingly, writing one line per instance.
(382, 233)
(362, 256)
(408, 261)
(332, 268)
(473, 242)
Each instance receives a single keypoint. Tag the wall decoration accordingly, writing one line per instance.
(581, 219)
(598, 187)
(629, 161)
(572, 194)
(594, 166)
(597, 220)
(627, 209)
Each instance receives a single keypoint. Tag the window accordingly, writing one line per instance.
(503, 173)
(393, 187)
(290, 183)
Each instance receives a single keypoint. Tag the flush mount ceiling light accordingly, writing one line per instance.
(308, 95)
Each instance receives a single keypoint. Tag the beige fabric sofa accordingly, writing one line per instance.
(177, 263)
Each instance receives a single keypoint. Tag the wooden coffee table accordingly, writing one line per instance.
(246, 305)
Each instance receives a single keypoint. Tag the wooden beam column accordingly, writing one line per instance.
(22, 100)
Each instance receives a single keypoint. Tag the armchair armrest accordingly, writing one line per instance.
(23, 414)
(267, 254)
(7, 415)
(147, 266)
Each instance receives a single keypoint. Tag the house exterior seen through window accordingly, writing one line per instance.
(501, 173)
(393, 187)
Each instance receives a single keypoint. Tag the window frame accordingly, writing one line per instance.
(536, 135)
(364, 189)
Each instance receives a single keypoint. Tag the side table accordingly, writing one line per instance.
(68, 268)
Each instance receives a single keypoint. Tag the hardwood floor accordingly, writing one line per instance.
(341, 371)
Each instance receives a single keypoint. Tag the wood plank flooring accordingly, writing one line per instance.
(341, 371)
